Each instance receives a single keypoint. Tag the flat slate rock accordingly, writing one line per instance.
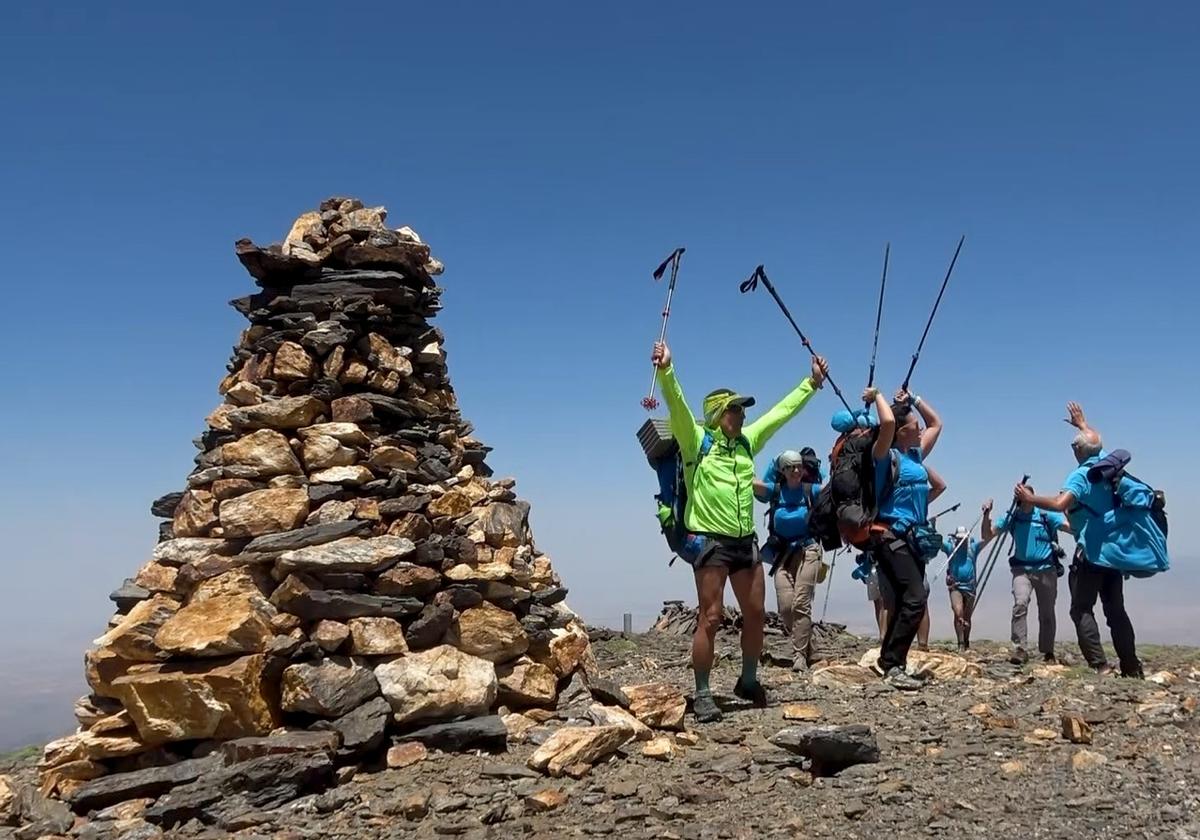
(310, 535)
(337, 604)
(140, 784)
(128, 595)
(164, 506)
(508, 771)
(244, 749)
(362, 731)
(430, 627)
(258, 784)
(482, 732)
(607, 691)
(831, 748)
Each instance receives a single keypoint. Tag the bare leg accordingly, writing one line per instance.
(710, 588)
(923, 630)
(881, 616)
(968, 599)
(750, 590)
(956, 606)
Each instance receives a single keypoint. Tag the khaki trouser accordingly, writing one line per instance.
(1043, 585)
(795, 583)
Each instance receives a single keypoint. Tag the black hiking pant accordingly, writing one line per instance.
(905, 574)
(1087, 583)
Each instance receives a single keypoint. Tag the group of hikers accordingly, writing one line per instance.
(881, 454)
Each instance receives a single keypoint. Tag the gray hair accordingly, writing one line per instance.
(1086, 445)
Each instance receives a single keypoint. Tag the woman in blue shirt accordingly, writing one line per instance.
(962, 549)
(904, 487)
(790, 485)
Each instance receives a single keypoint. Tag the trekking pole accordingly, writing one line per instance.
(987, 574)
(950, 509)
(887, 250)
(829, 585)
(650, 403)
(912, 365)
(996, 550)
(751, 284)
(990, 564)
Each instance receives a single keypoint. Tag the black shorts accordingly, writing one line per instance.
(736, 554)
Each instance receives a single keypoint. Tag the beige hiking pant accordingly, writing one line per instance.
(795, 583)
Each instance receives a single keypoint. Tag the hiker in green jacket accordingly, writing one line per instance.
(721, 540)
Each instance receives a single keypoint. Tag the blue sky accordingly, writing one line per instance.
(552, 154)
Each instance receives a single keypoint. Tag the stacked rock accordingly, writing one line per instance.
(340, 562)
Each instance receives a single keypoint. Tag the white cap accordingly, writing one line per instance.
(789, 458)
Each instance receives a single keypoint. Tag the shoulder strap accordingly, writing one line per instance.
(1132, 477)
(773, 504)
(808, 495)
(894, 472)
(1051, 529)
(705, 445)
(776, 493)
(836, 451)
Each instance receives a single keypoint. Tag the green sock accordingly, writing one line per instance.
(702, 683)
(749, 670)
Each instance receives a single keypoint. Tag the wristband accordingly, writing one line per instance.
(915, 400)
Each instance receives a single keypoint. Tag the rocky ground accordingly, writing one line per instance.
(985, 749)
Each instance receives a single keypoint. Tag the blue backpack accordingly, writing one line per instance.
(1134, 533)
(672, 491)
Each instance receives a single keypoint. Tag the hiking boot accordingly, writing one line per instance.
(800, 666)
(898, 678)
(877, 667)
(1019, 657)
(755, 693)
(705, 708)
(1104, 670)
(1134, 675)
(1049, 659)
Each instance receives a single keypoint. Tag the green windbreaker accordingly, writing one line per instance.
(720, 488)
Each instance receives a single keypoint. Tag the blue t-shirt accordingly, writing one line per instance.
(1033, 532)
(1092, 502)
(905, 502)
(961, 568)
(791, 516)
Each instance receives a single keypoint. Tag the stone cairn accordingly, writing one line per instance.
(339, 572)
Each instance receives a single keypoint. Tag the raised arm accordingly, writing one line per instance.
(683, 423)
(1062, 503)
(762, 429)
(937, 484)
(887, 423)
(933, 424)
(765, 486)
(986, 532)
(1075, 418)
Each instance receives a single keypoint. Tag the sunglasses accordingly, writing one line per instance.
(794, 468)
